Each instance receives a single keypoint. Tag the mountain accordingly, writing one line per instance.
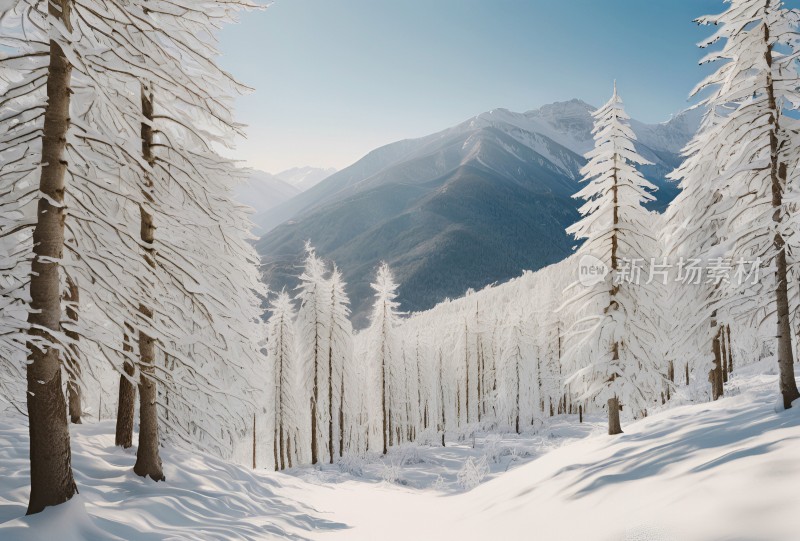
(263, 191)
(471, 205)
(304, 178)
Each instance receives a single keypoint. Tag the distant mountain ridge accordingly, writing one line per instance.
(304, 178)
(462, 208)
(264, 191)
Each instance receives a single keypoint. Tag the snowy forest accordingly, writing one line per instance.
(131, 290)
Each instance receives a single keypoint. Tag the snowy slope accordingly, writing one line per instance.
(203, 499)
(722, 471)
(727, 470)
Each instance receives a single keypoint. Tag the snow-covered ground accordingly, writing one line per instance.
(728, 470)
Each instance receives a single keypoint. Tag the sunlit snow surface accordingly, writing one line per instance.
(723, 471)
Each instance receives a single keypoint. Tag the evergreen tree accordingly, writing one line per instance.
(613, 359)
(384, 352)
(740, 164)
(314, 335)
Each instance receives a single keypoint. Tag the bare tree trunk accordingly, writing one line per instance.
(126, 403)
(314, 405)
(254, 441)
(687, 372)
(72, 297)
(52, 482)
(441, 399)
(671, 376)
(384, 421)
(391, 428)
(715, 376)
(580, 413)
(480, 375)
(276, 453)
(614, 426)
(148, 460)
(466, 351)
(341, 416)
(516, 422)
(788, 385)
(723, 355)
(330, 401)
(730, 349)
(284, 447)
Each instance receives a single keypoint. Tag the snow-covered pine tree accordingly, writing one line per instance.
(208, 268)
(611, 358)
(313, 335)
(748, 147)
(342, 383)
(358, 403)
(384, 352)
(515, 349)
(283, 360)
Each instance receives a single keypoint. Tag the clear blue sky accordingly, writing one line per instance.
(336, 78)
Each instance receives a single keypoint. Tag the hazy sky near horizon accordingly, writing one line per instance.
(335, 79)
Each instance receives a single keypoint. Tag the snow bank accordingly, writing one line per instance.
(204, 498)
(728, 470)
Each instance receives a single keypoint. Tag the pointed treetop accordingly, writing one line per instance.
(385, 286)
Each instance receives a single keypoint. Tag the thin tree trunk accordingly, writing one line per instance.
(466, 351)
(314, 404)
(254, 441)
(52, 482)
(480, 375)
(330, 400)
(715, 376)
(723, 355)
(284, 450)
(341, 416)
(671, 376)
(276, 442)
(148, 460)
(614, 426)
(687, 372)
(441, 398)
(516, 422)
(788, 385)
(73, 384)
(384, 420)
(126, 403)
(730, 349)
